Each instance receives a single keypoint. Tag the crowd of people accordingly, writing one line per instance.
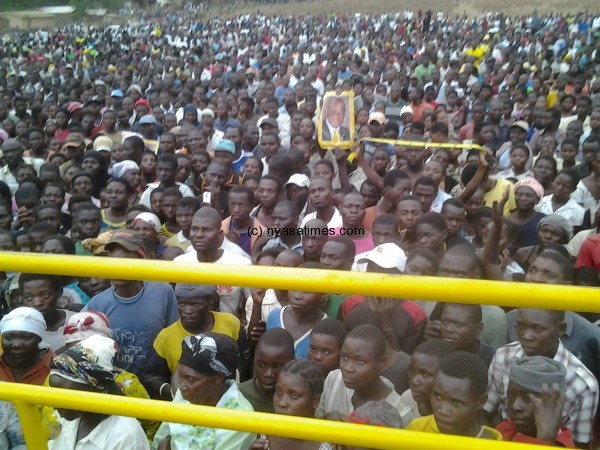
(176, 139)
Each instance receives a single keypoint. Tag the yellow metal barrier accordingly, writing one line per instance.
(25, 396)
(311, 280)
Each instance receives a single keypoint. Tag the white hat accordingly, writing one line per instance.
(406, 110)
(387, 255)
(24, 319)
(150, 218)
(298, 179)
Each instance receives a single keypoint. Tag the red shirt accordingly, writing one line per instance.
(509, 433)
(589, 255)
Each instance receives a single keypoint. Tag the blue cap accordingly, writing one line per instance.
(117, 93)
(225, 145)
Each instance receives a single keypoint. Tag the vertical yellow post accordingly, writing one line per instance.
(31, 423)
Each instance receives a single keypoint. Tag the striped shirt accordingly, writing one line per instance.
(581, 394)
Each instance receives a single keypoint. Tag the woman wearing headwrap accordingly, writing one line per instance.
(130, 171)
(88, 366)
(190, 114)
(551, 230)
(82, 326)
(207, 377)
(25, 359)
(528, 192)
(94, 163)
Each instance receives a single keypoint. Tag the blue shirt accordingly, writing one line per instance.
(136, 321)
(275, 320)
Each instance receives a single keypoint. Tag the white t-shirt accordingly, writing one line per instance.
(145, 198)
(335, 222)
(230, 296)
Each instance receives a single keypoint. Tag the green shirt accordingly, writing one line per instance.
(334, 301)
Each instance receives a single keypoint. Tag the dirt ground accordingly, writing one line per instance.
(471, 7)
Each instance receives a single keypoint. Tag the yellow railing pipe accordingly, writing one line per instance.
(329, 281)
(260, 423)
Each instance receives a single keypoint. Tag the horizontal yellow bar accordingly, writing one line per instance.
(270, 424)
(312, 280)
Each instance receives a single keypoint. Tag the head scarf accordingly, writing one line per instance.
(89, 362)
(533, 184)
(194, 290)
(83, 325)
(210, 354)
(531, 372)
(121, 168)
(24, 319)
(559, 223)
(149, 218)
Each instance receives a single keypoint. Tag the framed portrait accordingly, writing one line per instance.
(336, 121)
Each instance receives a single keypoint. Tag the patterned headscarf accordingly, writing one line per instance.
(210, 353)
(89, 362)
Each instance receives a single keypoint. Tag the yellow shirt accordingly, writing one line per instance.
(168, 342)
(427, 424)
(495, 195)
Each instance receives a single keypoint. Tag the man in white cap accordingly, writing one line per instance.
(25, 359)
(296, 191)
(207, 122)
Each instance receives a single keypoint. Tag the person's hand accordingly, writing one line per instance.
(359, 151)
(339, 154)
(257, 331)
(548, 412)
(382, 305)
(484, 156)
(260, 444)
(503, 259)
(403, 241)
(258, 295)
(498, 206)
(433, 330)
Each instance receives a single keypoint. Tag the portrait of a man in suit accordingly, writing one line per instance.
(333, 119)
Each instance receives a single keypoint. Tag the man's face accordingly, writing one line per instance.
(268, 362)
(87, 222)
(239, 206)
(538, 331)
(352, 210)
(458, 327)
(521, 410)
(205, 234)
(457, 266)
(165, 172)
(282, 217)
(408, 214)
(336, 114)
(269, 145)
(320, 194)
(454, 217)
(430, 237)
(333, 256)
(546, 271)
(426, 195)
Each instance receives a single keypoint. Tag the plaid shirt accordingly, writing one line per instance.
(582, 389)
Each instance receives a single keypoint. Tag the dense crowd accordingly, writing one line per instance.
(192, 140)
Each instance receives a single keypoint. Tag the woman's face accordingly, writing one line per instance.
(251, 167)
(133, 178)
(543, 171)
(293, 397)
(91, 166)
(148, 164)
(83, 185)
(549, 235)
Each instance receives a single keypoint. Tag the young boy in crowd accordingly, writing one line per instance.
(325, 344)
(275, 348)
(186, 208)
(536, 396)
(459, 391)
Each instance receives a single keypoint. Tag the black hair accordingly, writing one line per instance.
(312, 374)
(385, 220)
(67, 244)
(325, 162)
(437, 348)
(138, 207)
(585, 276)
(472, 311)
(391, 178)
(172, 192)
(274, 179)
(427, 254)
(55, 280)
(331, 327)
(409, 198)
(249, 193)
(85, 206)
(361, 315)
(551, 160)
(439, 127)
(456, 202)
(42, 227)
(559, 258)
(290, 205)
(466, 366)
(426, 181)
(282, 164)
(484, 212)
(189, 202)
(434, 219)
(272, 252)
(571, 174)
(279, 338)
(349, 245)
(417, 127)
(122, 181)
(371, 334)
(169, 159)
